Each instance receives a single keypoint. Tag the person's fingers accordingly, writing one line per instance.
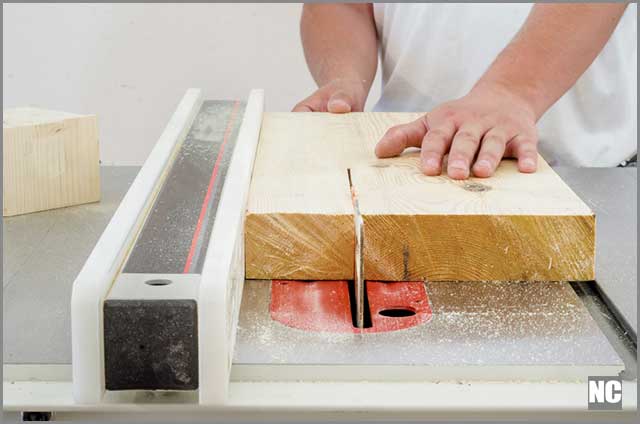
(302, 107)
(340, 102)
(491, 152)
(316, 102)
(434, 146)
(525, 149)
(398, 138)
(463, 149)
(313, 103)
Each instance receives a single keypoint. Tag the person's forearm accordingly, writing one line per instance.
(555, 46)
(340, 42)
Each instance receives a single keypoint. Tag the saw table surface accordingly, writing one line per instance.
(41, 256)
(44, 251)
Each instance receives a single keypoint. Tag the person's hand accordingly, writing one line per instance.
(338, 96)
(477, 131)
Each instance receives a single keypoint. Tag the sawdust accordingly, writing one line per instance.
(472, 324)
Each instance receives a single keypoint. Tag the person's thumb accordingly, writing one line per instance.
(340, 102)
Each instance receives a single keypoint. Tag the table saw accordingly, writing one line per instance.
(161, 279)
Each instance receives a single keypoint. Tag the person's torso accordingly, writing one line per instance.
(432, 53)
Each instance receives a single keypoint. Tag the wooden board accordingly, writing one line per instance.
(300, 218)
(514, 226)
(50, 160)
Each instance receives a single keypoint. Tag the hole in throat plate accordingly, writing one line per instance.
(397, 312)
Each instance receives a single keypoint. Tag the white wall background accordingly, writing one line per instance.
(131, 63)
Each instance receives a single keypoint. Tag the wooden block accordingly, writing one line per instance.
(50, 160)
(300, 223)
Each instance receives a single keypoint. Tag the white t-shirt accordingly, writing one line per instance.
(432, 53)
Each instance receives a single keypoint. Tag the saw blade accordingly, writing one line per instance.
(359, 263)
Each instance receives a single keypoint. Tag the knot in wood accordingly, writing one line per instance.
(476, 187)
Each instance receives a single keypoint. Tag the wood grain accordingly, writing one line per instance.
(50, 160)
(297, 246)
(512, 226)
(300, 217)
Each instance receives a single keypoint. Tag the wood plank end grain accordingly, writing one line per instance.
(299, 246)
(479, 248)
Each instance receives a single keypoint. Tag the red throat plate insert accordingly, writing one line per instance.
(324, 306)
